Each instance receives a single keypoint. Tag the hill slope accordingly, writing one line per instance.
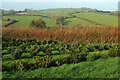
(102, 68)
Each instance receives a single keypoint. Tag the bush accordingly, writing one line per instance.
(90, 47)
(10, 49)
(93, 56)
(106, 47)
(55, 52)
(39, 42)
(103, 55)
(7, 57)
(101, 47)
(41, 53)
(4, 52)
(113, 52)
(78, 57)
(22, 47)
(43, 48)
(84, 49)
(39, 23)
(17, 53)
(26, 55)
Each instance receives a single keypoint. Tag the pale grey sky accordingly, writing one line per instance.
(59, 0)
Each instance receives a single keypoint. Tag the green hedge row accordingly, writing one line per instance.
(47, 61)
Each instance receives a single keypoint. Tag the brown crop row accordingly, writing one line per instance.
(81, 34)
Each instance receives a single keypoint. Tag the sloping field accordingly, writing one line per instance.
(71, 21)
(108, 20)
(102, 68)
(62, 11)
(24, 21)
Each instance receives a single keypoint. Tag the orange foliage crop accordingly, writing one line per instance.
(81, 34)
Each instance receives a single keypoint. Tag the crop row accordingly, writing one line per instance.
(66, 34)
(17, 47)
(47, 61)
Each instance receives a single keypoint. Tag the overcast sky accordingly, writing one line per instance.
(59, 0)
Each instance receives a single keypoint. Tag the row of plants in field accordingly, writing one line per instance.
(29, 48)
(17, 47)
(66, 34)
(47, 61)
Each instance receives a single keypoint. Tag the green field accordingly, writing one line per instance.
(95, 69)
(61, 11)
(100, 18)
(24, 21)
(4, 22)
(72, 21)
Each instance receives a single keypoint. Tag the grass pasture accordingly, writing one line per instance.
(24, 21)
(72, 21)
(61, 11)
(108, 20)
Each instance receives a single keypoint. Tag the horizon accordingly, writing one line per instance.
(105, 6)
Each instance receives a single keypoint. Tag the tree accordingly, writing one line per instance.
(26, 10)
(39, 23)
(95, 10)
(58, 19)
(11, 11)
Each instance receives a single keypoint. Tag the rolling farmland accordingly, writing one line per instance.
(60, 43)
(24, 21)
(100, 18)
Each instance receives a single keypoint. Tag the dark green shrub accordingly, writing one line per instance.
(43, 48)
(101, 47)
(43, 62)
(17, 53)
(48, 51)
(26, 55)
(112, 45)
(77, 50)
(33, 48)
(4, 52)
(106, 47)
(7, 57)
(10, 49)
(22, 47)
(84, 49)
(103, 55)
(113, 52)
(93, 56)
(55, 52)
(6, 66)
(15, 65)
(41, 53)
(90, 47)
(33, 53)
(39, 42)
